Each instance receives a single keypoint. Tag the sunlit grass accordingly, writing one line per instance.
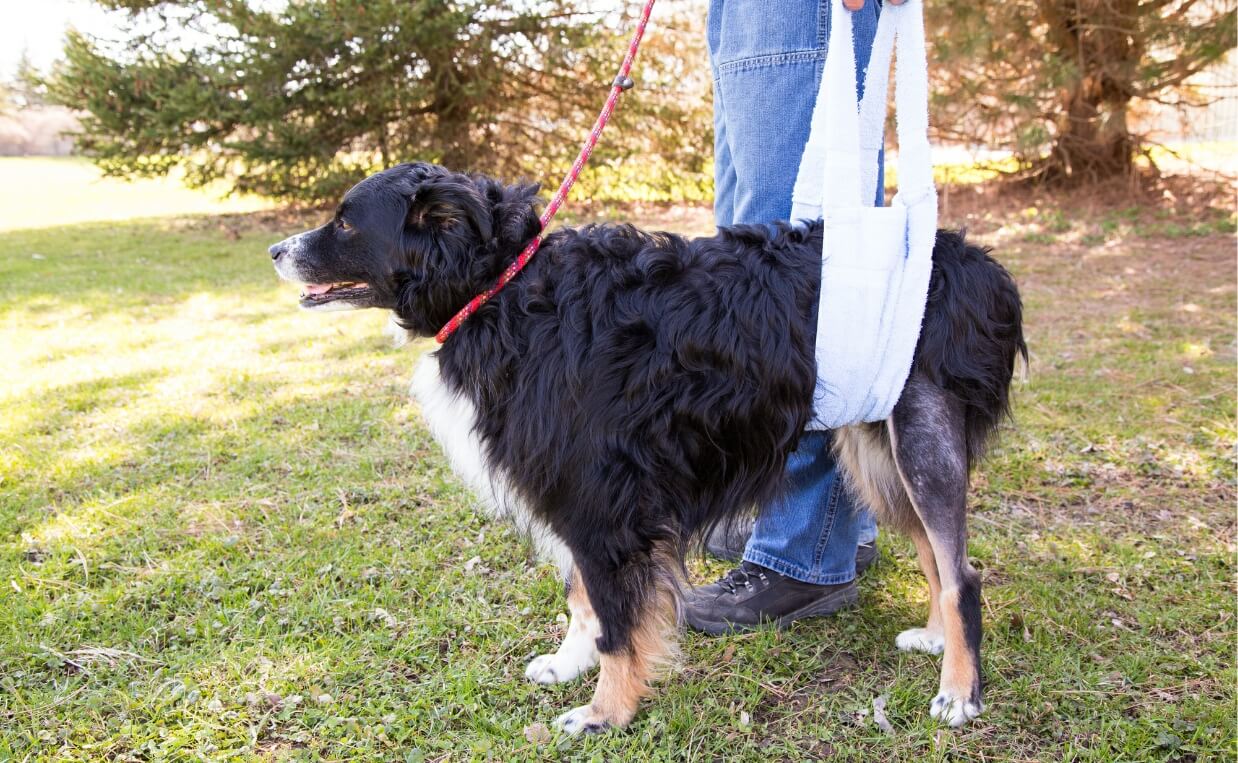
(225, 533)
(1220, 155)
(40, 192)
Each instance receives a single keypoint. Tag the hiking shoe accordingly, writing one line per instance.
(865, 555)
(727, 542)
(750, 596)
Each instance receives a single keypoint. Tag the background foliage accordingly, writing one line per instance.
(1059, 81)
(298, 101)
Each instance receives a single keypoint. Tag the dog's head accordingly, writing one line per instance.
(417, 239)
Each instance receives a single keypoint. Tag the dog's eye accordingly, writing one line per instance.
(343, 225)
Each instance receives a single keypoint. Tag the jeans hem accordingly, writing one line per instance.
(794, 571)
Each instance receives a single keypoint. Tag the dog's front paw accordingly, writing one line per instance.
(921, 640)
(954, 711)
(557, 668)
(582, 720)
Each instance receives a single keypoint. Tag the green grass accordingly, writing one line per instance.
(225, 533)
(40, 192)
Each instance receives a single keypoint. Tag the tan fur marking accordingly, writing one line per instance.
(872, 475)
(928, 565)
(578, 602)
(625, 676)
(624, 682)
(958, 670)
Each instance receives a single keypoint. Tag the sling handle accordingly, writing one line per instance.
(852, 133)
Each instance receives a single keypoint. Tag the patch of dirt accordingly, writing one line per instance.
(835, 675)
(986, 206)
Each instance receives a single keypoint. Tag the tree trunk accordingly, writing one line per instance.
(453, 113)
(452, 133)
(1098, 38)
(1093, 142)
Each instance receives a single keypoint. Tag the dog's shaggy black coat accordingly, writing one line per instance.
(636, 387)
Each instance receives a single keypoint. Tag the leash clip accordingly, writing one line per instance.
(623, 83)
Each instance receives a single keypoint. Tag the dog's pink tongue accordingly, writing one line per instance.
(315, 289)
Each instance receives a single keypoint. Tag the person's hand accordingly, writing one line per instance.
(855, 5)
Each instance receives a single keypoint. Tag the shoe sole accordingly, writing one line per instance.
(827, 605)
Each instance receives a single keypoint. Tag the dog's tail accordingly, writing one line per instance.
(972, 335)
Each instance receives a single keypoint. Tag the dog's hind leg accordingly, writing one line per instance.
(578, 653)
(867, 456)
(931, 638)
(930, 449)
(635, 606)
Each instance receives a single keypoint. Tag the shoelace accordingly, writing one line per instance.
(742, 575)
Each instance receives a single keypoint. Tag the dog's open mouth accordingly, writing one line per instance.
(315, 294)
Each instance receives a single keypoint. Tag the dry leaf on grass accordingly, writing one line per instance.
(879, 715)
(537, 733)
(383, 616)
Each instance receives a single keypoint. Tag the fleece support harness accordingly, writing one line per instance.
(877, 260)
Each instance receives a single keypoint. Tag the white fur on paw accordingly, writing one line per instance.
(921, 640)
(580, 720)
(954, 711)
(558, 667)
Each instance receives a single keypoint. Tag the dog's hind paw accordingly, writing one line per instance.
(954, 711)
(582, 720)
(558, 667)
(921, 640)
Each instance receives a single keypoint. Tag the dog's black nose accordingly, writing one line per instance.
(276, 250)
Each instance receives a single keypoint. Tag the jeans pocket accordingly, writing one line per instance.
(754, 29)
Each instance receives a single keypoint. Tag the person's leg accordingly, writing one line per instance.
(767, 66)
(767, 57)
(724, 170)
(811, 532)
(801, 559)
(786, 532)
(868, 532)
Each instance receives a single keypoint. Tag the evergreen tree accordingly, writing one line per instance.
(299, 101)
(26, 89)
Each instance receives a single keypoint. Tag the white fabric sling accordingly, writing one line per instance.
(877, 260)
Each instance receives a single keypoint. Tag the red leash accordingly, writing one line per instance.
(622, 82)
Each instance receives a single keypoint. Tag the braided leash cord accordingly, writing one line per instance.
(621, 83)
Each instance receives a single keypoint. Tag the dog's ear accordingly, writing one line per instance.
(444, 202)
(515, 215)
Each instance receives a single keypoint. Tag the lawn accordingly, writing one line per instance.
(226, 534)
(37, 192)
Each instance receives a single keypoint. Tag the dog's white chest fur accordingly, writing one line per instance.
(452, 419)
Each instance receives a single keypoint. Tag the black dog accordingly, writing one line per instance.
(629, 389)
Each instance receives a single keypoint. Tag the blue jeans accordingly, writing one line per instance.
(767, 57)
